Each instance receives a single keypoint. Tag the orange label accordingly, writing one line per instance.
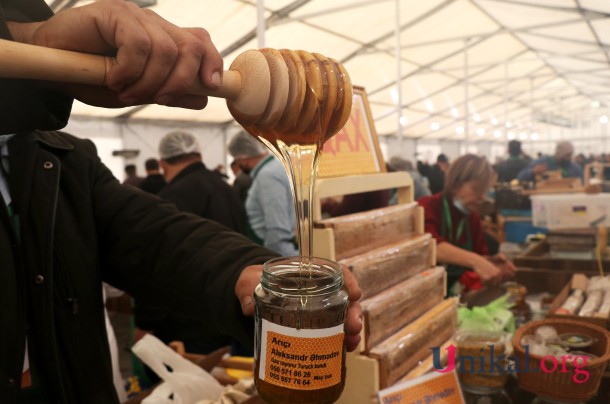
(301, 359)
(431, 388)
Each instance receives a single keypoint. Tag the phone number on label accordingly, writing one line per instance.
(289, 372)
(293, 380)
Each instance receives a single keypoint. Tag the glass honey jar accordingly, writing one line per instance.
(300, 310)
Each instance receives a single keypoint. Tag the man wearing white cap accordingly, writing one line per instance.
(194, 188)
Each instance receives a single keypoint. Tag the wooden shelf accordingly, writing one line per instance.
(354, 184)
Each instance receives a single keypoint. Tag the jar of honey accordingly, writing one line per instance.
(300, 310)
(482, 361)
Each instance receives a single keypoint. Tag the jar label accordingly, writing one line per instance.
(304, 359)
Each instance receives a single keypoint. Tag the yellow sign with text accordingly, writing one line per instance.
(355, 149)
(432, 388)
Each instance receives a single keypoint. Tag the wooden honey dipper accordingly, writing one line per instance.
(292, 94)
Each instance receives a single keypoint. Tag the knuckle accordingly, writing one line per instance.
(193, 48)
(168, 51)
(201, 33)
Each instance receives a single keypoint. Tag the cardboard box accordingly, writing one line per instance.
(579, 281)
(564, 211)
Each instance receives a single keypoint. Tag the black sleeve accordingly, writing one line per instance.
(154, 252)
(23, 107)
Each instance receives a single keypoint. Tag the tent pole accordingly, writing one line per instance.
(260, 27)
(466, 97)
(398, 79)
(532, 112)
(506, 97)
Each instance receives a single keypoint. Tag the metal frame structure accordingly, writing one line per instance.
(470, 70)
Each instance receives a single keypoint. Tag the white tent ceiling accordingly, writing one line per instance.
(520, 63)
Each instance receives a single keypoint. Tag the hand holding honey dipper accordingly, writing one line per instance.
(269, 91)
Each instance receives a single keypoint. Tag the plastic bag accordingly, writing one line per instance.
(496, 317)
(186, 383)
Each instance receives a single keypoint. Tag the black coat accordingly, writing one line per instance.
(202, 192)
(436, 178)
(509, 169)
(153, 184)
(80, 227)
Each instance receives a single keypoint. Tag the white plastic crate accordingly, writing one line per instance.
(575, 210)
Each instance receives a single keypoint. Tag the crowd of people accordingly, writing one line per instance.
(452, 193)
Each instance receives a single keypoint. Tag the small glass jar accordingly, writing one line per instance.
(482, 360)
(300, 310)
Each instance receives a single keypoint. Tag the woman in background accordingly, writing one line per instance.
(452, 217)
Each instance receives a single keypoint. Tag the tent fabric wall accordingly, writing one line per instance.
(144, 136)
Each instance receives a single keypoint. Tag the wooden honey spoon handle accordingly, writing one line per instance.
(246, 85)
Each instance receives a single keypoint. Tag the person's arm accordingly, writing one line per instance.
(535, 168)
(155, 60)
(156, 253)
(504, 264)
(526, 174)
(450, 254)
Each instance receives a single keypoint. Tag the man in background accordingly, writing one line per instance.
(271, 218)
(436, 175)
(194, 188)
(242, 181)
(561, 161)
(509, 169)
(131, 176)
(154, 180)
(420, 188)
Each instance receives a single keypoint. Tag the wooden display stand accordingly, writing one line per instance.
(365, 375)
(323, 239)
(390, 256)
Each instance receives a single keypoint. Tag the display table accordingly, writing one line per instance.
(537, 255)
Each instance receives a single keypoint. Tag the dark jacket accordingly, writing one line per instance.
(436, 178)
(153, 184)
(509, 169)
(80, 227)
(202, 192)
(241, 185)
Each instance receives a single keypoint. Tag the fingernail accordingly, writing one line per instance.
(215, 80)
(245, 302)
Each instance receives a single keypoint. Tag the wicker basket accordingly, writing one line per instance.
(560, 384)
